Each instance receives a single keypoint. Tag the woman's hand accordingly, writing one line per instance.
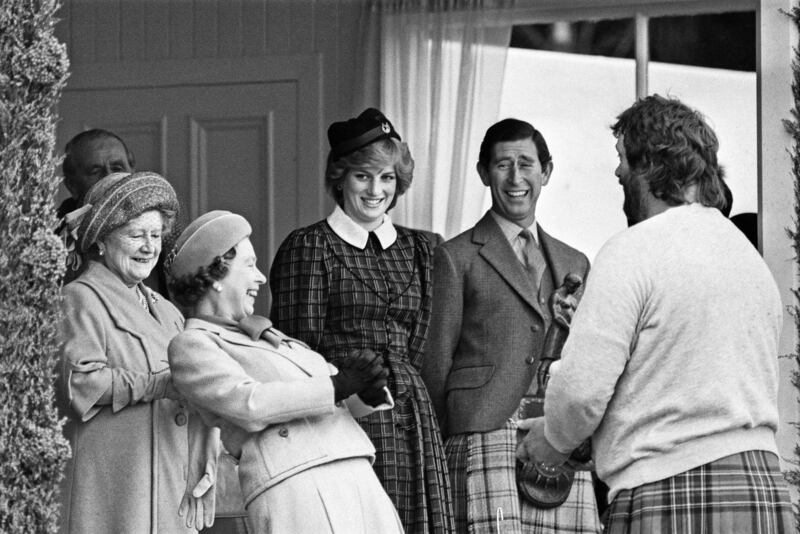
(362, 369)
(198, 506)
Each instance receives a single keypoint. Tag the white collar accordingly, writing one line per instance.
(511, 230)
(352, 233)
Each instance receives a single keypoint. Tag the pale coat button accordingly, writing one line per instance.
(283, 432)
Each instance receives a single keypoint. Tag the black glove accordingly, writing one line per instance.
(361, 369)
(373, 396)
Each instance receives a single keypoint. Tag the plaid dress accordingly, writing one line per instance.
(337, 297)
(743, 493)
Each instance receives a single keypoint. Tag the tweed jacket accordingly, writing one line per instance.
(129, 458)
(274, 404)
(486, 321)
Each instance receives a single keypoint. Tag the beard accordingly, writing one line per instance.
(635, 203)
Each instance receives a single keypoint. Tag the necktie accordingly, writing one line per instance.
(532, 257)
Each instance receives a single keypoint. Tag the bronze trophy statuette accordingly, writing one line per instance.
(542, 485)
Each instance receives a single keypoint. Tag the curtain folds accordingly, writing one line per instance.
(435, 68)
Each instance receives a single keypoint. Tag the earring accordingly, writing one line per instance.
(102, 252)
(217, 286)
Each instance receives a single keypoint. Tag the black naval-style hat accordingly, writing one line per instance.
(348, 136)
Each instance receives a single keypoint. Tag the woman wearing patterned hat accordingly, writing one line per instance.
(357, 281)
(126, 424)
(304, 463)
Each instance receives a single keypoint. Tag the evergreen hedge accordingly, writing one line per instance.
(793, 127)
(33, 71)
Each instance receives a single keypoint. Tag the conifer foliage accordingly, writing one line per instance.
(793, 127)
(33, 71)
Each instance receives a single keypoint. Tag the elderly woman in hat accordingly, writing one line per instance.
(127, 426)
(304, 463)
(355, 280)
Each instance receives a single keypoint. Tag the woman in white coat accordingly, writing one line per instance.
(305, 464)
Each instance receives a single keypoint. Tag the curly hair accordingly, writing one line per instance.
(189, 289)
(672, 146)
(381, 153)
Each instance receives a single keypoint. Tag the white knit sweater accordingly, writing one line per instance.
(672, 359)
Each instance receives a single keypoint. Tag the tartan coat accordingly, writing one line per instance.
(486, 321)
(129, 458)
(337, 297)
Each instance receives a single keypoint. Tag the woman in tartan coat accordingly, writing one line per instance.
(356, 281)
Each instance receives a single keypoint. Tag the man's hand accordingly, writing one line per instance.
(534, 447)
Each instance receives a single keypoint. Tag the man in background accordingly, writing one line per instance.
(88, 157)
(671, 365)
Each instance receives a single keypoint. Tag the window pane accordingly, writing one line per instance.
(573, 98)
(709, 63)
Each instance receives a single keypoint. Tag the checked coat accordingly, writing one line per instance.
(336, 297)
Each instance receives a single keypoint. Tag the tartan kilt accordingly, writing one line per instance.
(482, 470)
(743, 493)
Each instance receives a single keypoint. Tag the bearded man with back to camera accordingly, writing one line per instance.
(672, 360)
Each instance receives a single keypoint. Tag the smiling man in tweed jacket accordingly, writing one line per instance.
(490, 315)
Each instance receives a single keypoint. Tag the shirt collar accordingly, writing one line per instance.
(511, 230)
(352, 233)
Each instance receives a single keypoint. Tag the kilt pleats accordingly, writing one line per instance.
(744, 493)
(482, 473)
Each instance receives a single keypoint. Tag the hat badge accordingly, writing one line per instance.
(386, 128)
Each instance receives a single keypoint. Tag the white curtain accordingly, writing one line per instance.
(435, 68)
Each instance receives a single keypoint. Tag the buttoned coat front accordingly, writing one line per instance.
(275, 405)
(129, 458)
(486, 321)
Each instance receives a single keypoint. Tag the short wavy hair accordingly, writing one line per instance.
(672, 146)
(68, 165)
(189, 289)
(512, 130)
(381, 153)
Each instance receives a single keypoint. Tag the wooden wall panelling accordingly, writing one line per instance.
(302, 19)
(278, 27)
(254, 27)
(107, 31)
(205, 30)
(81, 30)
(156, 34)
(181, 30)
(229, 28)
(132, 32)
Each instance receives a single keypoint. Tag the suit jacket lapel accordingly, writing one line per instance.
(556, 257)
(497, 251)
